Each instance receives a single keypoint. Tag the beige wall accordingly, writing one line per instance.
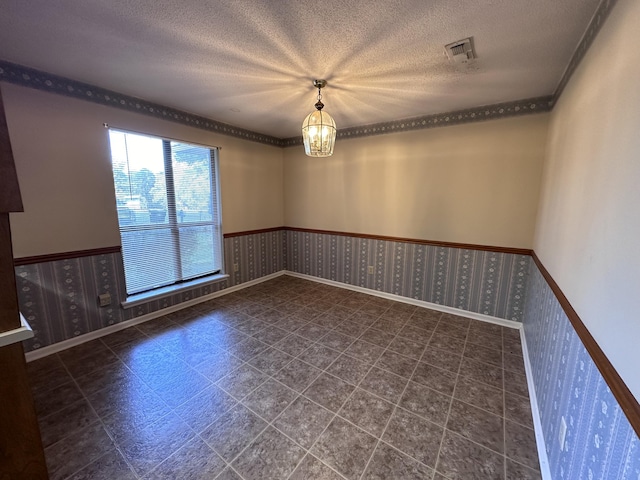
(475, 183)
(588, 233)
(62, 156)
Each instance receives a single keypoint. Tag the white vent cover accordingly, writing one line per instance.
(460, 53)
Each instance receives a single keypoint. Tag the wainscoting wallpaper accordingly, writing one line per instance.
(59, 298)
(478, 281)
(600, 444)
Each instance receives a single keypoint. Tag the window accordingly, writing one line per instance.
(168, 204)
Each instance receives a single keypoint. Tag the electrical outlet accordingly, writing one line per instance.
(104, 300)
(370, 269)
(562, 433)
(236, 267)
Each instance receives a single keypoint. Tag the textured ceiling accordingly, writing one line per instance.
(251, 63)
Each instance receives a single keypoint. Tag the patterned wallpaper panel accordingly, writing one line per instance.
(600, 444)
(59, 299)
(484, 282)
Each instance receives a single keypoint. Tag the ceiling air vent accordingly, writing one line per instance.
(461, 53)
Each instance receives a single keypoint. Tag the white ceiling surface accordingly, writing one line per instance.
(383, 60)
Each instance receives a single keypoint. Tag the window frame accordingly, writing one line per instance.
(174, 225)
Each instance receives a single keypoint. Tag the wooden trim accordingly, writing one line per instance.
(53, 257)
(621, 392)
(438, 243)
(253, 232)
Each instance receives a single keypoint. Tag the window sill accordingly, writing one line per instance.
(141, 298)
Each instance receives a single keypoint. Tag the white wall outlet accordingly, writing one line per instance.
(104, 299)
(370, 269)
(562, 433)
(236, 267)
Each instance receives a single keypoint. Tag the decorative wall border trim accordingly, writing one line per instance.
(438, 243)
(621, 392)
(470, 115)
(600, 15)
(53, 257)
(253, 232)
(29, 77)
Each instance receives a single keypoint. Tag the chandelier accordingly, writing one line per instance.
(319, 129)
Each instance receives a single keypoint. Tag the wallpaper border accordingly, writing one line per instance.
(621, 392)
(48, 82)
(598, 19)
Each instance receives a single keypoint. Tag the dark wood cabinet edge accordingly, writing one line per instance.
(53, 257)
(621, 392)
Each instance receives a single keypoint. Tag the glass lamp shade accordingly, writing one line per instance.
(318, 134)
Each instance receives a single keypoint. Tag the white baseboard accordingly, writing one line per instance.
(72, 342)
(545, 469)
(420, 303)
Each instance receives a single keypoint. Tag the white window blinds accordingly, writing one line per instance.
(168, 205)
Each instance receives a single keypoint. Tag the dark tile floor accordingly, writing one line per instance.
(290, 379)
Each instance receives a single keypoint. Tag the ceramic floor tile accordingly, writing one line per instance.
(364, 351)
(414, 436)
(293, 344)
(109, 466)
(407, 347)
(303, 421)
(312, 468)
(397, 363)
(520, 445)
(270, 399)
(427, 403)
(367, 411)
(297, 375)
(442, 359)
(480, 395)
(516, 383)
(384, 384)
(482, 354)
(329, 391)
(62, 423)
(478, 425)
(410, 362)
(465, 460)
(345, 448)
(349, 369)
(518, 409)
(516, 470)
(242, 381)
(50, 401)
(194, 461)
(270, 456)
(482, 372)
(439, 379)
(388, 462)
(146, 448)
(200, 411)
(47, 373)
(232, 432)
(77, 451)
(270, 361)
(447, 343)
(319, 356)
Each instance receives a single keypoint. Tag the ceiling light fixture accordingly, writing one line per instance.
(319, 129)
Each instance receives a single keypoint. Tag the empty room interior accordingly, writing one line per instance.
(320, 240)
